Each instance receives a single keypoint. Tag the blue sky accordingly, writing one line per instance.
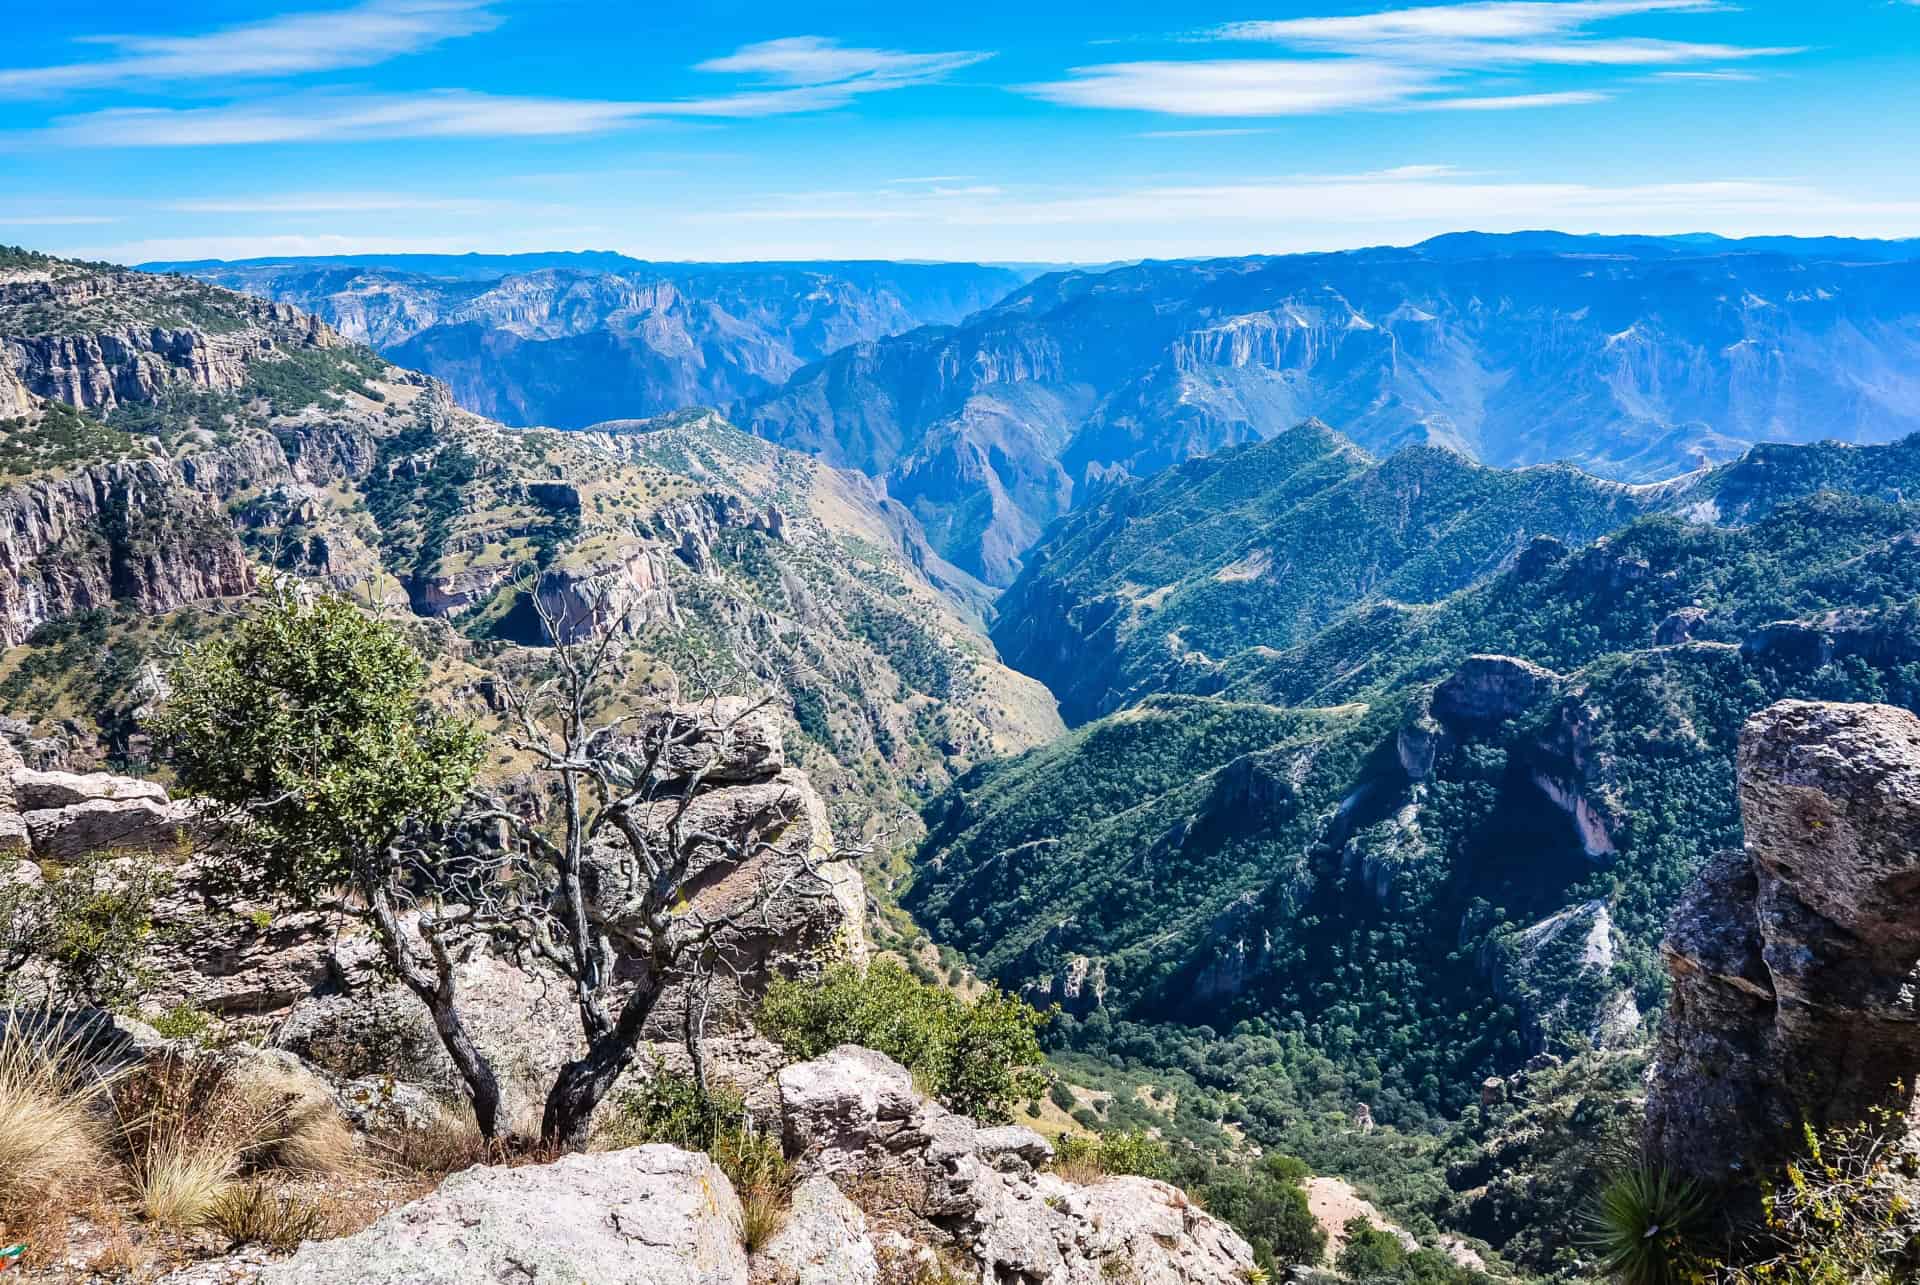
(1055, 131)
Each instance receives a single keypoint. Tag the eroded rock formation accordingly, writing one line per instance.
(1793, 962)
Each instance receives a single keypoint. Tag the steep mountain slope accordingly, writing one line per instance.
(164, 438)
(1432, 838)
(567, 340)
(1630, 363)
(1264, 545)
(1162, 583)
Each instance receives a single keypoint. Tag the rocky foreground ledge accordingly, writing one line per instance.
(889, 1184)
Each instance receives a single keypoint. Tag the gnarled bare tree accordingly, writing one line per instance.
(605, 892)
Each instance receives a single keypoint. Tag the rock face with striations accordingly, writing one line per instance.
(1793, 961)
(938, 1178)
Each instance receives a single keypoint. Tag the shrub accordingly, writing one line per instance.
(1060, 1095)
(1369, 1253)
(979, 1057)
(1267, 1204)
(1836, 1214)
(186, 1021)
(1082, 1159)
(1645, 1225)
(87, 922)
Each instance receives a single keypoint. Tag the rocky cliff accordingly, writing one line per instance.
(1792, 961)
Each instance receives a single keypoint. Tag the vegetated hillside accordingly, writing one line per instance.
(163, 439)
(1630, 358)
(1162, 583)
(1150, 587)
(571, 339)
(1429, 840)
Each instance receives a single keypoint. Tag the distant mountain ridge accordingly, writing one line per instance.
(569, 339)
(1631, 358)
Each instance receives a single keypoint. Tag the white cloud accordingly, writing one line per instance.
(444, 113)
(1426, 58)
(290, 44)
(1487, 20)
(818, 60)
(1239, 86)
(1514, 102)
(805, 74)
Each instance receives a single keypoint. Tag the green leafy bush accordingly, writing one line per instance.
(980, 1057)
(86, 922)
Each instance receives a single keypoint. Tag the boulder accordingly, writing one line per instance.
(33, 791)
(760, 843)
(359, 1025)
(652, 1215)
(1792, 962)
(944, 1181)
(107, 825)
(823, 1242)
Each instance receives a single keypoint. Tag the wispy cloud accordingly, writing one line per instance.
(803, 74)
(1709, 75)
(1429, 58)
(287, 45)
(818, 60)
(307, 118)
(1239, 86)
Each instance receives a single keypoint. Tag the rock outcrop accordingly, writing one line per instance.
(1793, 962)
(760, 843)
(1559, 973)
(1490, 689)
(652, 1215)
(939, 1179)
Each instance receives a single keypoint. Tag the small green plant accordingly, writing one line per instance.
(187, 1021)
(1646, 1224)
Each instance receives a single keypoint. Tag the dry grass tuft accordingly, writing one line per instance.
(763, 1212)
(51, 1131)
(448, 1143)
(179, 1180)
(252, 1213)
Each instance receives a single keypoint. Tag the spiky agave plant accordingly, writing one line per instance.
(1646, 1224)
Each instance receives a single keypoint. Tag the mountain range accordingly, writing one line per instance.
(568, 339)
(1630, 363)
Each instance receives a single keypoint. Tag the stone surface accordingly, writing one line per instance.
(652, 1215)
(108, 826)
(824, 1242)
(360, 1026)
(1793, 962)
(946, 1182)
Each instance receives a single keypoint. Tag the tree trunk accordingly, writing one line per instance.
(436, 991)
(483, 1087)
(567, 1122)
(582, 1083)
